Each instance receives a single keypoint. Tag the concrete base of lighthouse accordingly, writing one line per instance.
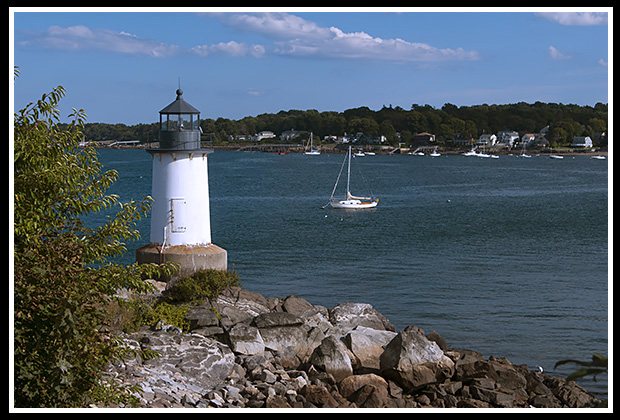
(190, 258)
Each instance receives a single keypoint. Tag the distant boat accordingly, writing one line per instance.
(312, 151)
(598, 157)
(473, 152)
(552, 156)
(350, 201)
(359, 153)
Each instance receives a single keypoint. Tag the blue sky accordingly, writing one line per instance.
(124, 65)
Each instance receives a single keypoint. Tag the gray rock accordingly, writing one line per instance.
(296, 305)
(347, 316)
(201, 316)
(331, 356)
(367, 345)
(245, 339)
(203, 362)
(411, 360)
(276, 319)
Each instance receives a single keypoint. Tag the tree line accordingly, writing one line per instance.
(397, 124)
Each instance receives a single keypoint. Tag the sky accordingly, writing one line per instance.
(125, 65)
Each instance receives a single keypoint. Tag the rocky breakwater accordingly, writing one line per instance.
(250, 351)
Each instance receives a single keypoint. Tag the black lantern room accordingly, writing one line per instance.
(179, 125)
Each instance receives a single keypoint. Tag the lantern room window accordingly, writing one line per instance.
(179, 122)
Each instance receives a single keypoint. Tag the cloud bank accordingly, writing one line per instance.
(287, 34)
(295, 36)
(81, 38)
(576, 18)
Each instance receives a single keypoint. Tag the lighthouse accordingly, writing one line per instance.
(180, 215)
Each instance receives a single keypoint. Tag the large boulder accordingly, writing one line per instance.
(347, 316)
(331, 356)
(367, 345)
(245, 339)
(286, 334)
(295, 305)
(412, 361)
(368, 390)
(202, 363)
(235, 305)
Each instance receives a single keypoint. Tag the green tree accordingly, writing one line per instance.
(64, 276)
(387, 129)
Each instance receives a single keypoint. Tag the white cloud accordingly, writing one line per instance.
(555, 54)
(602, 62)
(275, 25)
(231, 48)
(81, 38)
(576, 18)
(254, 92)
(295, 36)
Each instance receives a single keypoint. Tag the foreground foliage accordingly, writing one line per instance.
(597, 366)
(64, 277)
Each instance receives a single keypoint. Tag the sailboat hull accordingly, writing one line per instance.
(354, 204)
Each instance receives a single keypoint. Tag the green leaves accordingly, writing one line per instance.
(64, 275)
(597, 366)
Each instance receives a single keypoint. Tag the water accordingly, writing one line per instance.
(505, 256)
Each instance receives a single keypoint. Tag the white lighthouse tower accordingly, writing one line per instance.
(180, 216)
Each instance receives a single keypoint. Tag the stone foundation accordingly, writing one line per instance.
(191, 258)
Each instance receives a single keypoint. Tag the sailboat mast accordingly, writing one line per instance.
(349, 172)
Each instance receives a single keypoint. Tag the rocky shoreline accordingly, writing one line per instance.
(248, 351)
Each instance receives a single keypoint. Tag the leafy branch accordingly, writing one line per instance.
(597, 366)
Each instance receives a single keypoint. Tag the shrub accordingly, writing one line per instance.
(63, 274)
(200, 286)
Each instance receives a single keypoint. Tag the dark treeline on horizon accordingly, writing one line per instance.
(565, 121)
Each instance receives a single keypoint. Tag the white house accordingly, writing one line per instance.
(528, 138)
(507, 137)
(583, 142)
(290, 135)
(264, 135)
(487, 140)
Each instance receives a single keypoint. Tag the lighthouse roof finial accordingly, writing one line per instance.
(179, 106)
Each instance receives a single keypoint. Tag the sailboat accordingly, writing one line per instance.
(350, 201)
(312, 151)
(554, 156)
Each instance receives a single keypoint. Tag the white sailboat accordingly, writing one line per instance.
(312, 151)
(350, 201)
(554, 156)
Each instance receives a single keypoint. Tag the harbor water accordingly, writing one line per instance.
(508, 256)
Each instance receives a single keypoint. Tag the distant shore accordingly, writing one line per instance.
(385, 150)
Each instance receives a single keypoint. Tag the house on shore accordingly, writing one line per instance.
(507, 137)
(528, 138)
(264, 135)
(582, 142)
(487, 140)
